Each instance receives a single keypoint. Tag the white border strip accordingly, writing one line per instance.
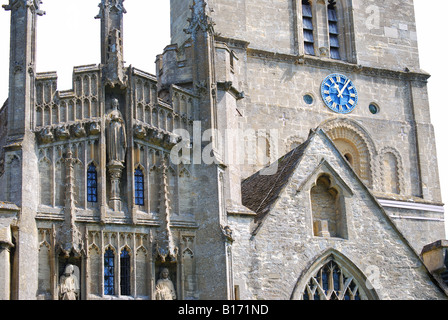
(410, 205)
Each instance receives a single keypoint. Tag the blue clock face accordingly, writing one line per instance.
(339, 93)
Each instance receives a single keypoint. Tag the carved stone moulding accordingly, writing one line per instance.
(156, 136)
(63, 132)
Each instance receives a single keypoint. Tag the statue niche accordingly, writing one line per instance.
(164, 287)
(116, 151)
(115, 135)
(69, 284)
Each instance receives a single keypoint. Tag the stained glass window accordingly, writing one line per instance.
(331, 283)
(125, 273)
(92, 183)
(109, 272)
(139, 187)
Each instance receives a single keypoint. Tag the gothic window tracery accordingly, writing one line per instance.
(331, 283)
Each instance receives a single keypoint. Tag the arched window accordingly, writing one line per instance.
(331, 283)
(308, 29)
(139, 180)
(92, 184)
(333, 31)
(125, 273)
(109, 272)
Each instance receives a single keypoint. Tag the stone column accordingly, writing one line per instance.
(5, 275)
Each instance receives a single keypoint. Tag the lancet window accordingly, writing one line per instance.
(333, 31)
(125, 273)
(139, 180)
(92, 184)
(308, 28)
(109, 272)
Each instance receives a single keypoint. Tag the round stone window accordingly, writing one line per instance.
(373, 108)
(308, 99)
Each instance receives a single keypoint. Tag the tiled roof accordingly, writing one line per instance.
(259, 192)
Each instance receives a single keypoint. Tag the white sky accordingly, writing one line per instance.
(68, 35)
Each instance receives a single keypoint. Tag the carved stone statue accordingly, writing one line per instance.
(68, 284)
(164, 287)
(116, 135)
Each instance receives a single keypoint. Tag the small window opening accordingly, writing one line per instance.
(139, 187)
(308, 29)
(333, 30)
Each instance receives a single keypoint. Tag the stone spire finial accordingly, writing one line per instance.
(34, 4)
(112, 57)
(200, 18)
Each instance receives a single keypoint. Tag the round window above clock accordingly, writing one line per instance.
(339, 93)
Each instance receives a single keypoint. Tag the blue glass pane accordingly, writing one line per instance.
(308, 99)
(109, 288)
(139, 187)
(125, 273)
(92, 184)
(336, 279)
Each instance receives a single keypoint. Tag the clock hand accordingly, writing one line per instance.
(337, 88)
(345, 86)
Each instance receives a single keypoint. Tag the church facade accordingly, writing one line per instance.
(283, 150)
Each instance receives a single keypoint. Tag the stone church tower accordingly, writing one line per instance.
(283, 150)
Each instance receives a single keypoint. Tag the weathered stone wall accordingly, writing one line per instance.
(269, 264)
(386, 34)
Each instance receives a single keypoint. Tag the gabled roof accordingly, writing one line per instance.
(260, 191)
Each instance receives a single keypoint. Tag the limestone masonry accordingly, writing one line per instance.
(283, 150)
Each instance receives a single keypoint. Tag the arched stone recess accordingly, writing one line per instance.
(391, 170)
(329, 197)
(333, 276)
(356, 145)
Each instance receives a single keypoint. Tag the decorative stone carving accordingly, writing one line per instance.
(79, 131)
(116, 152)
(165, 287)
(69, 284)
(200, 19)
(116, 135)
(68, 237)
(228, 233)
(139, 131)
(46, 135)
(94, 128)
(62, 133)
(165, 246)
